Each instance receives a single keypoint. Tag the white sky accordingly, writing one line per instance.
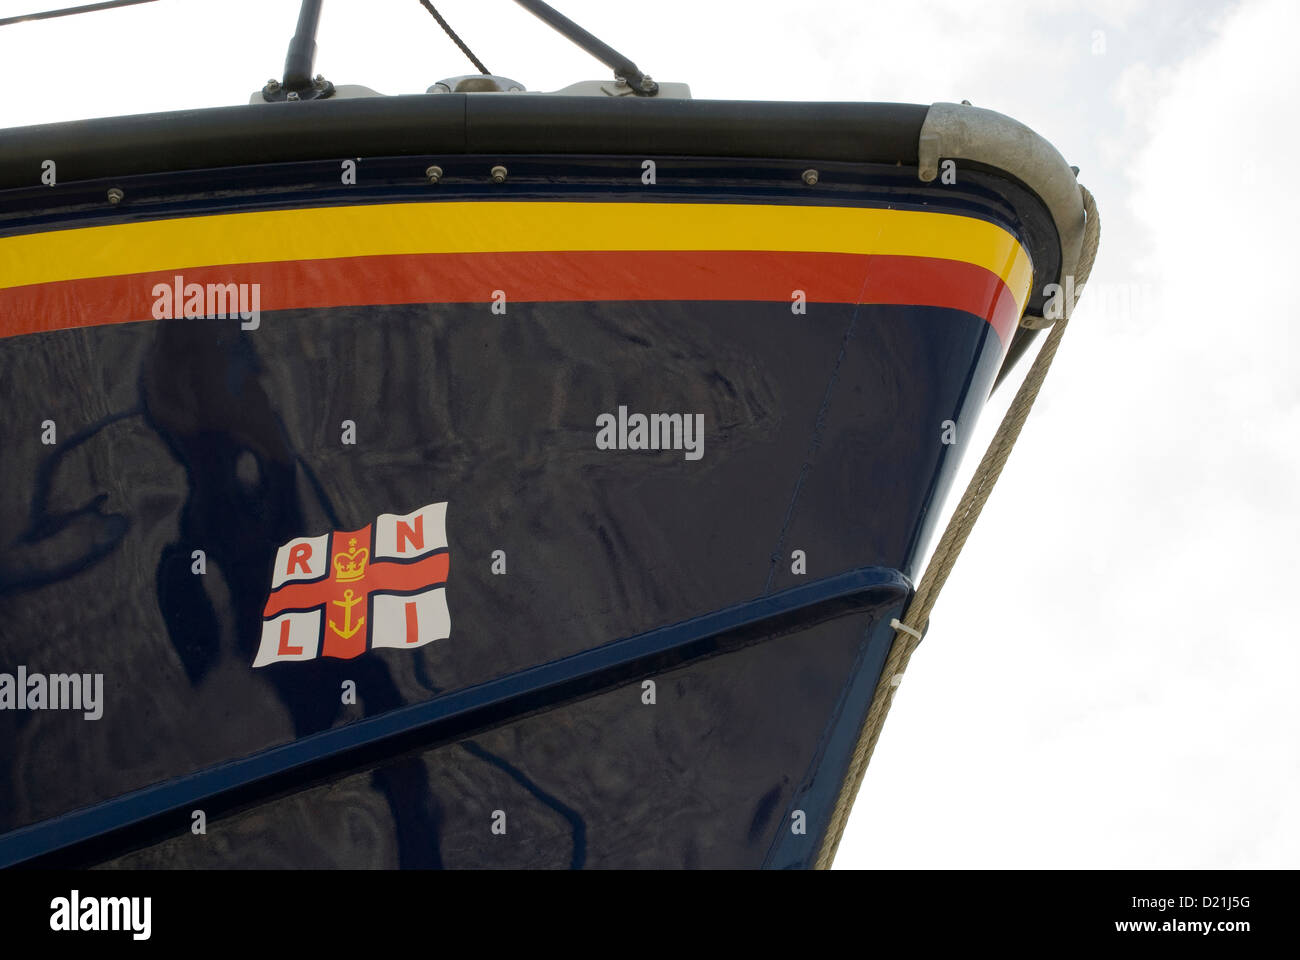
(1110, 679)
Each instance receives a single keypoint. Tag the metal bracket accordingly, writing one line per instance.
(276, 92)
(477, 83)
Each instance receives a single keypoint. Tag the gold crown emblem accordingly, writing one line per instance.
(351, 566)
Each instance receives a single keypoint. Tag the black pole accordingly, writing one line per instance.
(298, 83)
(621, 65)
(302, 48)
(69, 11)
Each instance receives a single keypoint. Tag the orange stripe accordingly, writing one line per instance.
(539, 276)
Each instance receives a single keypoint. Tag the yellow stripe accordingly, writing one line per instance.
(499, 226)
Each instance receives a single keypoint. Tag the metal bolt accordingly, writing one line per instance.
(115, 195)
(434, 173)
(498, 174)
(293, 95)
(620, 81)
(273, 84)
(647, 83)
(320, 80)
(810, 177)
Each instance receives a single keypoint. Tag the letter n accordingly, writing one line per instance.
(413, 535)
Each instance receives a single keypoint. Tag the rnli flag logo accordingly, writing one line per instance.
(341, 594)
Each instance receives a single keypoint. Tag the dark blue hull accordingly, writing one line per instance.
(655, 659)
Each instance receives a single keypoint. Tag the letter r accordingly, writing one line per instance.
(299, 555)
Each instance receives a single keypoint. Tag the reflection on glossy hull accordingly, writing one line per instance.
(660, 634)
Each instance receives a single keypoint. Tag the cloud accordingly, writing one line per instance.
(1110, 679)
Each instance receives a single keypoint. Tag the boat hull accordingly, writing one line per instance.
(661, 635)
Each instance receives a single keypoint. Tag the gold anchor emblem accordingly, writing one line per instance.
(349, 628)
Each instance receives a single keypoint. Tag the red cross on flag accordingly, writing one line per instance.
(341, 594)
